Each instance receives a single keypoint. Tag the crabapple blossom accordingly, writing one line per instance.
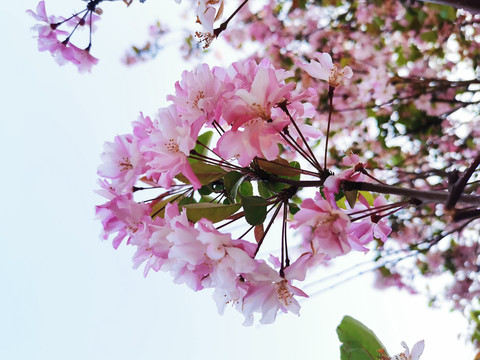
(325, 228)
(372, 226)
(324, 69)
(63, 50)
(268, 118)
(258, 138)
(268, 292)
(199, 94)
(123, 162)
(417, 350)
(262, 88)
(168, 147)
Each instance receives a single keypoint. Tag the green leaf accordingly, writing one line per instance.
(246, 188)
(415, 53)
(205, 173)
(293, 208)
(446, 12)
(255, 209)
(275, 187)
(263, 190)
(232, 181)
(211, 211)
(341, 203)
(205, 140)
(358, 341)
(205, 190)
(298, 4)
(401, 60)
(186, 200)
(368, 196)
(429, 36)
(296, 165)
(279, 167)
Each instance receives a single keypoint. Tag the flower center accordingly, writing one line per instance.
(171, 146)
(284, 295)
(125, 164)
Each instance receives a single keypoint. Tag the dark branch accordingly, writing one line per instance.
(470, 5)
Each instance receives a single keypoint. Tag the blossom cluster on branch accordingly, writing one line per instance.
(350, 99)
(255, 113)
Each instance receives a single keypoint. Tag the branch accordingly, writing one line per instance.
(425, 196)
(470, 5)
(460, 184)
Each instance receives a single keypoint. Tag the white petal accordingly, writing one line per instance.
(417, 350)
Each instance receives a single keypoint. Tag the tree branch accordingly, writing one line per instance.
(425, 196)
(438, 197)
(470, 5)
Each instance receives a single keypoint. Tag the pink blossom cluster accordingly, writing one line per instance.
(402, 91)
(202, 257)
(250, 105)
(56, 41)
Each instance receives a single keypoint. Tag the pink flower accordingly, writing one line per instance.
(46, 33)
(324, 69)
(417, 350)
(199, 95)
(168, 147)
(256, 99)
(122, 162)
(228, 261)
(207, 13)
(372, 226)
(63, 51)
(269, 293)
(84, 60)
(332, 184)
(325, 228)
(124, 217)
(258, 139)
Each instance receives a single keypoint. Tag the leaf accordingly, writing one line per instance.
(358, 341)
(187, 200)
(205, 173)
(368, 196)
(255, 209)
(341, 203)
(205, 190)
(259, 232)
(202, 150)
(298, 4)
(351, 197)
(246, 188)
(296, 165)
(293, 208)
(273, 187)
(279, 167)
(232, 181)
(429, 36)
(263, 190)
(211, 211)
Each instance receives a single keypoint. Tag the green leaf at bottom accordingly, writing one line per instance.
(358, 341)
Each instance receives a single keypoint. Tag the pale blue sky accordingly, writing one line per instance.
(66, 294)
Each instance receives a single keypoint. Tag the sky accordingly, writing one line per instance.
(68, 295)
